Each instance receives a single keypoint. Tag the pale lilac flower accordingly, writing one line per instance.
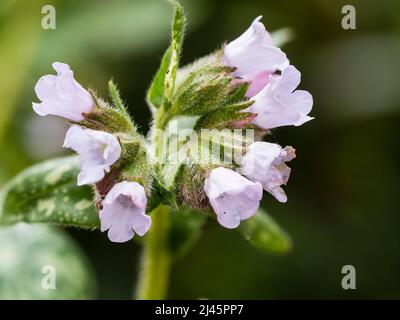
(123, 212)
(97, 150)
(254, 56)
(279, 104)
(232, 196)
(265, 162)
(61, 95)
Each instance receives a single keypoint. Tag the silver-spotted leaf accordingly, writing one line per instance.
(42, 262)
(47, 192)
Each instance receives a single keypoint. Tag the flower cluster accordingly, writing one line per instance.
(272, 86)
(249, 84)
(124, 206)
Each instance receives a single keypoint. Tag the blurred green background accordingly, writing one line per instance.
(345, 186)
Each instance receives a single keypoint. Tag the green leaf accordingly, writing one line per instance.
(116, 98)
(155, 94)
(178, 30)
(186, 228)
(162, 87)
(27, 255)
(265, 234)
(47, 192)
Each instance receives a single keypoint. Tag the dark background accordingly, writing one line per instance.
(343, 194)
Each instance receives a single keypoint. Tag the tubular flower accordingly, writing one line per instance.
(265, 162)
(254, 56)
(280, 104)
(123, 212)
(232, 196)
(61, 95)
(97, 150)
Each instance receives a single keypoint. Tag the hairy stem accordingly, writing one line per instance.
(156, 263)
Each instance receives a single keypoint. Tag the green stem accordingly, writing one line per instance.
(156, 263)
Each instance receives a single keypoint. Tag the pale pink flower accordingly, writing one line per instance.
(232, 196)
(97, 150)
(254, 56)
(124, 212)
(61, 95)
(265, 162)
(279, 104)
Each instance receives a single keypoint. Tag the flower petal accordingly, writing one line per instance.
(253, 52)
(277, 105)
(90, 175)
(284, 85)
(232, 196)
(61, 95)
(45, 88)
(97, 150)
(264, 162)
(257, 81)
(141, 224)
(303, 101)
(61, 67)
(123, 212)
(228, 220)
(56, 108)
